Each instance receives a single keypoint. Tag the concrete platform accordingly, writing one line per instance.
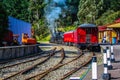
(115, 73)
(10, 52)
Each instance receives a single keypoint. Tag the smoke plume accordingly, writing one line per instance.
(52, 12)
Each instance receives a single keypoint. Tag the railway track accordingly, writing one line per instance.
(51, 68)
(40, 60)
(25, 61)
(76, 69)
(46, 66)
(62, 66)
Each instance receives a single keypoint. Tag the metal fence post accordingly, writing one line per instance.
(94, 68)
(112, 54)
(106, 75)
(108, 59)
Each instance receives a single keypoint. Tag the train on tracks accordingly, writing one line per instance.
(11, 39)
(85, 36)
(91, 36)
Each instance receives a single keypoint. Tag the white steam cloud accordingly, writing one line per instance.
(52, 13)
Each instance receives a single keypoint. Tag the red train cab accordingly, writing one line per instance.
(85, 36)
(87, 33)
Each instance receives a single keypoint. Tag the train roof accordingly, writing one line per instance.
(87, 25)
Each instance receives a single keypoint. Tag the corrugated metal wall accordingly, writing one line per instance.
(18, 27)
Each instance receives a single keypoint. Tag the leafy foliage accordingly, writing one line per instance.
(36, 8)
(18, 9)
(111, 16)
(72, 9)
(115, 5)
(89, 10)
(42, 31)
(111, 12)
(3, 20)
(68, 28)
(100, 12)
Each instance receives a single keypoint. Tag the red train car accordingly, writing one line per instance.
(68, 37)
(85, 36)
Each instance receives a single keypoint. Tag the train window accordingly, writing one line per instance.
(88, 31)
(88, 36)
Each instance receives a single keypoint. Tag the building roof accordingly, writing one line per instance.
(114, 25)
(102, 28)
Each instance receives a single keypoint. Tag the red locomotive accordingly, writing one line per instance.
(85, 36)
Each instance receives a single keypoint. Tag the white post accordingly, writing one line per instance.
(108, 59)
(106, 75)
(94, 68)
(112, 54)
(105, 62)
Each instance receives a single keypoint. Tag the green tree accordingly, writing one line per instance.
(89, 10)
(3, 20)
(115, 5)
(27, 10)
(72, 9)
(110, 12)
(36, 8)
(18, 9)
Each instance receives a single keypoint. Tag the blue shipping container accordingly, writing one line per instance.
(18, 27)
